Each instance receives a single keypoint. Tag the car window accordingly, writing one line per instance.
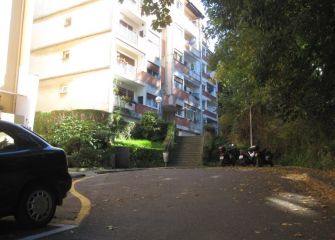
(13, 139)
(6, 142)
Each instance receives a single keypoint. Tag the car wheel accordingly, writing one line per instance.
(36, 207)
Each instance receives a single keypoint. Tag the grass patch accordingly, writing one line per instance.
(139, 143)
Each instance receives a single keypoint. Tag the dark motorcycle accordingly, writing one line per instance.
(228, 156)
(244, 158)
(265, 158)
(250, 157)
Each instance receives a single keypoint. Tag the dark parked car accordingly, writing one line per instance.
(34, 176)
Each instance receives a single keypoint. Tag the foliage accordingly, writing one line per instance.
(209, 147)
(170, 138)
(88, 157)
(90, 133)
(277, 56)
(138, 143)
(159, 9)
(120, 128)
(83, 134)
(144, 157)
(150, 127)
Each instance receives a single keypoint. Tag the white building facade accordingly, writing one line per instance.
(102, 54)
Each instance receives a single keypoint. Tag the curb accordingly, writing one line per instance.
(77, 175)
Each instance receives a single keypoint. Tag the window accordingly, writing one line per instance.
(178, 82)
(190, 112)
(151, 101)
(204, 68)
(68, 22)
(140, 99)
(204, 51)
(6, 142)
(180, 111)
(66, 55)
(178, 56)
(16, 140)
(153, 69)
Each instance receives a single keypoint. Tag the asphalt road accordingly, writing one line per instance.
(204, 203)
(211, 204)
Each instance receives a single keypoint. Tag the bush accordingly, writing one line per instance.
(88, 157)
(170, 138)
(89, 132)
(144, 157)
(150, 127)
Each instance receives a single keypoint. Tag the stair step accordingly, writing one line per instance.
(188, 151)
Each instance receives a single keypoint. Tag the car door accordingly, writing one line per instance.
(16, 161)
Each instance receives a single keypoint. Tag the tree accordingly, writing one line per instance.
(160, 10)
(294, 61)
(279, 56)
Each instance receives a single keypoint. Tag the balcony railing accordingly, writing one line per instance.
(127, 34)
(126, 70)
(195, 127)
(126, 108)
(149, 79)
(212, 109)
(193, 77)
(190, 26)
(192, 49)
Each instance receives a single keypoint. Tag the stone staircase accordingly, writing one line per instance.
(188, 152)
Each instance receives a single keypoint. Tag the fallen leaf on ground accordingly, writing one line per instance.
(286, 224)
(299, 235)
(110, 227)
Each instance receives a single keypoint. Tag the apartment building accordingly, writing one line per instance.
(18, 88)
(102, 54)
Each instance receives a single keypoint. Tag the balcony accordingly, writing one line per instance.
(210, 114)
(206, 75)
(195, 127)
(170, 103)
(149, 79)
(126, 108)
(133, 6)
(127, 35)
(180, 94)
(194, 101)
(190, 26)
(193, 78)
(181, 67)
(126, 70)
(141, 109)
(182, 121)
(192, 50)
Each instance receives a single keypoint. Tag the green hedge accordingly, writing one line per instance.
(88, 157)
(145, 157)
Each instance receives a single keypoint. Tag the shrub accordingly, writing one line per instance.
(89, 132)
(144, 157)
(170, 137)
(88, 157)
(150, 127)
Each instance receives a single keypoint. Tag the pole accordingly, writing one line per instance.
(250, 124)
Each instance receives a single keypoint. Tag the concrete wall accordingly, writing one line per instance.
(72, 24)
(83, 91)
(84, 55)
